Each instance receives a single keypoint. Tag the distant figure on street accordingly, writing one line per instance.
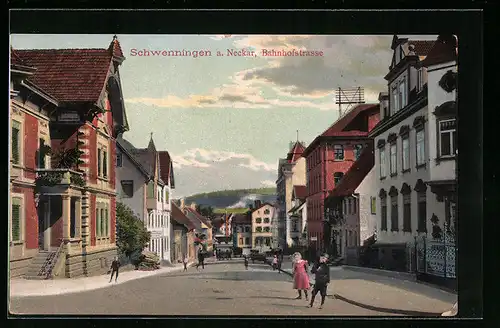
(201, 260)
(115, 266)
(275, 262)
(185, 262)
(300, 276)
(322, 279)
(280, 261)
(246, 262)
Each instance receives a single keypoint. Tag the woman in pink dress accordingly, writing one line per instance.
(300, 276)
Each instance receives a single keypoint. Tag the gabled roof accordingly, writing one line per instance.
(125, 147)
(422, 47)
(297, 207)
(180, 217)
(241, 219)
(356, 174)
(261, 206)
(166, 168)
(299, 192)
(116, 49)
(295, 152)
(341, 128)
(444, 50)
(200, 217)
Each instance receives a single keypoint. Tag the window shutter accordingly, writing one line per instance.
(99, 162)
(106, 222)
(16, 128)
(97, 222)
(16, 219)
(104, 164)
(103, 220)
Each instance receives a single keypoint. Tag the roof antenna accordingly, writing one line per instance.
(151, 135)
(297, 135)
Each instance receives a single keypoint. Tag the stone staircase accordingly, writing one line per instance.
(41, 265)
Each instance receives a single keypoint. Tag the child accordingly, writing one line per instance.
(246, 262)
(275, 262)
(322, 279)
(185, 261)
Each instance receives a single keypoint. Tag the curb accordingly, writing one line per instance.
(392, 274)
(53, 291)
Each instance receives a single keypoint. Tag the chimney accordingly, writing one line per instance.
(383, 98)
(193, 206)
(257, 203)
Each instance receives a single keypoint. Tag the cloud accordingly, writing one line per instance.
(221, 37)
(200, 170)
(268, 183)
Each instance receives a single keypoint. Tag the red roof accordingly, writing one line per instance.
(116, 48)
(181, 218)
(443, 51)
(356, 174)
(241, 219)
(200, 217)
(341, 127)
(296, 152)
(300, 192)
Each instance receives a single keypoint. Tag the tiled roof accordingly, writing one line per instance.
(116, 48)
(165, 166)
(181, 218)
(422, 47)
(200, 217)
(241, 219)
(356, 173)
(126, 148)
(296, 152)
(15, 59)
(443, 51)
(69, 75)
(300, 192)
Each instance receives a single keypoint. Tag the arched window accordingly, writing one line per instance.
(337, 176)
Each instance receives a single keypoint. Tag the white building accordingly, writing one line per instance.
(144, 182)
(291, 172)
(402, 154)
(441, 64)
(298, 216)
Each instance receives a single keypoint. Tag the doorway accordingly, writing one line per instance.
(44, 230)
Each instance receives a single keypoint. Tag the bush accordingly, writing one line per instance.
(131, 235)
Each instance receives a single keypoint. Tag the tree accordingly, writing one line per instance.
(131, 234)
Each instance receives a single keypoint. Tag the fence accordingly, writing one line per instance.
(435, 257)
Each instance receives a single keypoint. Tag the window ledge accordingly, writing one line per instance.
(17, 165)
(17, 242)
(382, 178)
(406, 171)
(394, 175)
(106, 179)
(420, 166)
(421, 232)
(445, 159)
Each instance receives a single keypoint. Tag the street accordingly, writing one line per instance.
(228, 289)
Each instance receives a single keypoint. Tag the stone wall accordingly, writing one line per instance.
(93, 263)
(18, 265)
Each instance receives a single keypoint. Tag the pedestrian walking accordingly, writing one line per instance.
(201, 260)
(185, 262)
(246, 262)
(280, 261)
(275, 262)
(115, 266)
(322, 279)
(300, 276)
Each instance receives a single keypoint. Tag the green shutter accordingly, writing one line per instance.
(16, 219)
(103, 220)
(104, 164)
(15, 149)
(97, 223)
(106, 222)
(99, 171)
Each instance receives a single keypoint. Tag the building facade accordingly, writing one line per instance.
(62, 148)
(182, 236)
(405, 203)
(291, 171)
(261, 227)
(328, 158)
(145, 187)
(298, 216)
(242, 231)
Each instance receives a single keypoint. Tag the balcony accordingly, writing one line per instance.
(47, 178)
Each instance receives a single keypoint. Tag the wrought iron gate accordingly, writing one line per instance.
(433, 256)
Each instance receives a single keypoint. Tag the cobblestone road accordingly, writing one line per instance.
(220, 289)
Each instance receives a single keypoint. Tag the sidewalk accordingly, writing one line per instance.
(22, 287)
(386, 294)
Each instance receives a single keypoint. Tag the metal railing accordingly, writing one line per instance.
(54, 261)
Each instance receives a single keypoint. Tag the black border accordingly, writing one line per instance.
(466, 24)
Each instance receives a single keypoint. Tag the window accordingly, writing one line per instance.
(407, 213)
(338, 151)
(99, 161)
(103, 222)
(337, 176)
(266, 220)
(241, 241)
(151, 189)
(258, 229)
(158, 195)
(247, 240)
(405, 153)
(420, 79)
(119, 160)
(106, 222)
(394, 213)
(258, 220)
(393, 159)
(402, 94)
(266, 211)
(128, 188)
(267, 229)
(98, 222)
(395, 100)
(447, 137)
(355, 238)
(420, 146)
(247, 229)
(354, 206)
(382, 162)
(357, 150)
(383, 213)
(15, 142)
(351, 241)
(295, 226)
(350, 206)
(104, 164)
(373, 207)
(16, 223)
(422, 212)
(41, 154)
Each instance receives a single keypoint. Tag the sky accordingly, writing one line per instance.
(226, 120)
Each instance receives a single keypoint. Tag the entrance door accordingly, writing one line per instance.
(43, 212)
